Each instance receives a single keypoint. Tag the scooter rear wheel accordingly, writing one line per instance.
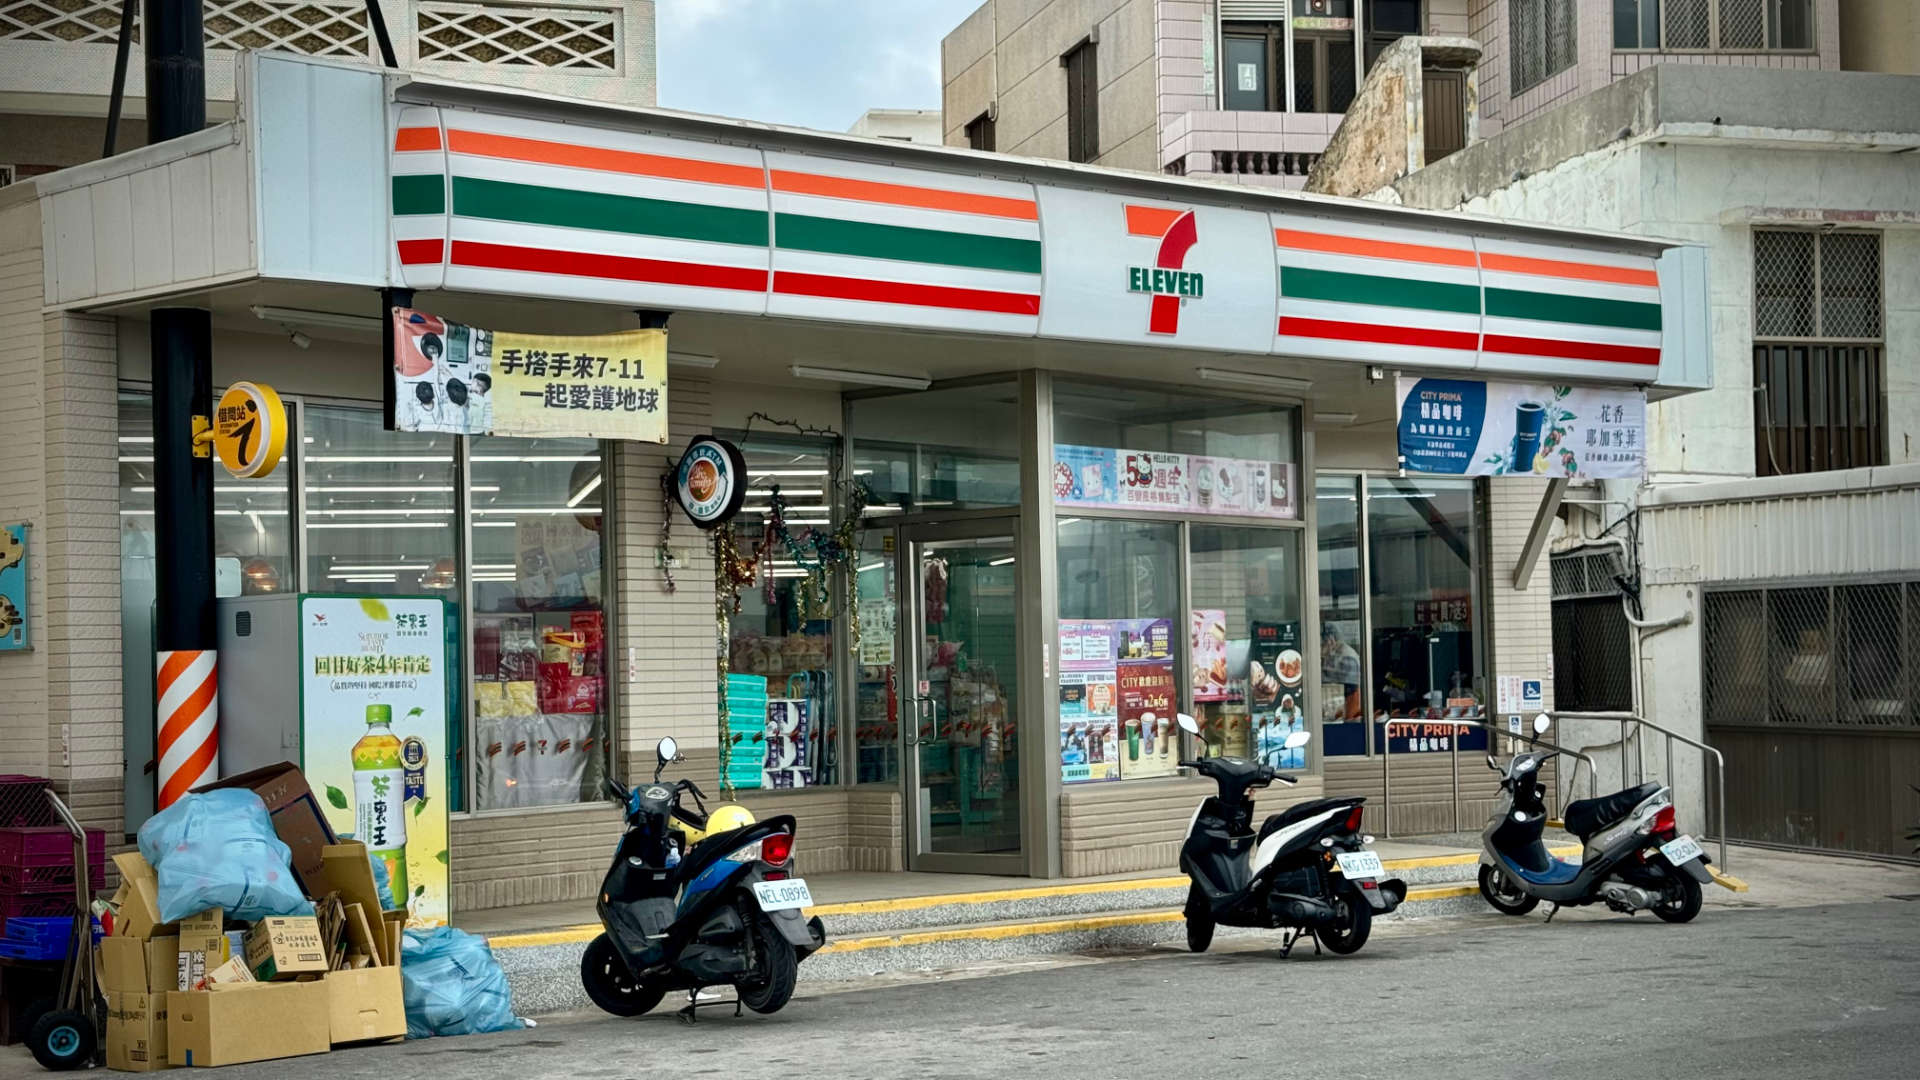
(1683, 906)
(772, 982)
(1351, 932)
(609, 985)
(1506, 897)
(1200, 922)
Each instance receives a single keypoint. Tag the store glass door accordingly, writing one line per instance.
(960, 600)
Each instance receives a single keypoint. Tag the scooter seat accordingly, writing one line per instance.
(1302, 811)
(1584, 817)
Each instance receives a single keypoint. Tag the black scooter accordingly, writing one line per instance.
(1635, 858)
(1308, 870)
(725, 912)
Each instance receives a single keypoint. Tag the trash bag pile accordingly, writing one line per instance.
(453, 985)
(217, 849)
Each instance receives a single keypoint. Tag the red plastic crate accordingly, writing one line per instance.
(39, 905)
(23, 801)
(36, 860)
(48, 879)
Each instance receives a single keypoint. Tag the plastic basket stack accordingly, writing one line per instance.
(36, 854)
(747, 727)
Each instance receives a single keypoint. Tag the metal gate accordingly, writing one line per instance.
(1812, 691)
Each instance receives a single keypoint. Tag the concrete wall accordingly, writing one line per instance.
(1008, 53)
(905, 125)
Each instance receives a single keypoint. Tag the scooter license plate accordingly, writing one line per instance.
(1361, 865)
(782, 895)
(1681, 851)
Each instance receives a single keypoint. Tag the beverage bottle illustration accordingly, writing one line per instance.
(379, 799)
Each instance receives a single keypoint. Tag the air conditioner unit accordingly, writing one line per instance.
(7, 174)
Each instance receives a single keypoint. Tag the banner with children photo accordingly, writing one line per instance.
(465, 380)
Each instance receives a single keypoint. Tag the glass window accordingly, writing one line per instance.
(379, 506)
(1342, 629)
(876, 731)
(1420, 539)
(939, 450)
(1248, 83)
(783, 631)
(1119, 585)
(1249, 675)
(1158, 452)
(539, 621)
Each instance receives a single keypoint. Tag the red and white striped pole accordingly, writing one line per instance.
(189, 702)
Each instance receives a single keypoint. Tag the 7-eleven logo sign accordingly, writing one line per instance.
(1167, 280)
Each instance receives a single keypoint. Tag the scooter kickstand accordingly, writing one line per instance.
(1551, 912)
(1316, 941)
(688, 1015)
(1286, 943)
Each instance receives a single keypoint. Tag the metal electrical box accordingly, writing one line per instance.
(259, 681)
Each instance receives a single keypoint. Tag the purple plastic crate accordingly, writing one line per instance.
(34, 906)
(48, 846)
(46, 879)
(23, 801)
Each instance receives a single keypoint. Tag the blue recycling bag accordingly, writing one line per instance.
(452, 985)
(218, 849)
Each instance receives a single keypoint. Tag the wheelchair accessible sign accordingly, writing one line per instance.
(1515, 694)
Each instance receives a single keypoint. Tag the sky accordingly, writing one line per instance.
(812, 63)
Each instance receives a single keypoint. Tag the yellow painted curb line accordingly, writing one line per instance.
(1727, 881)
(581, 934)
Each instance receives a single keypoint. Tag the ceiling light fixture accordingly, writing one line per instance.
(589, 488)
(1335, 418)
(691, 360)
(303, 317)
(1280, 383)
(861, 378)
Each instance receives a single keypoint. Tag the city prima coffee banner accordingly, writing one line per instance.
(1460, 427)
(465, 380)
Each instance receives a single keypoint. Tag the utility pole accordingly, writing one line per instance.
(187, 705)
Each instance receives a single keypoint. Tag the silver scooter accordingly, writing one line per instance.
(1634, 859)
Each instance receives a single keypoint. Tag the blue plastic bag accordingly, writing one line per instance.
(453, 985)
(382, 881)
(218, 849)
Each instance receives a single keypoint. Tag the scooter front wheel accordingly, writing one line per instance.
(1200, 922)
(609, 985)
(1506, 897)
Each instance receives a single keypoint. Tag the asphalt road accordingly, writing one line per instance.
(1826, 991)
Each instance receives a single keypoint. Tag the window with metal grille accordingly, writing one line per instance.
(556, 37)
(1083, 102)
(1713, 25)
(1818, 361)
(1542, 38)
(980, 132)
(1817, 655)
(314, 27)
(1592, 643)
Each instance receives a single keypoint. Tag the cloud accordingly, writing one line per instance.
(813, 63)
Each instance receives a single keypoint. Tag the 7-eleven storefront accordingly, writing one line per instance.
(1123, 444)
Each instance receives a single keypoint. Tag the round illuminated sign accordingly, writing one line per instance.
(249, 429)
(711, 481)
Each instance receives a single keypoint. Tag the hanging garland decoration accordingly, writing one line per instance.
(663, 552)
(732, 572)
(818, 552)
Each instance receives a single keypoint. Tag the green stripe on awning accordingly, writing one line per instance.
(1301, 283)
(833, 236)
(1583, 310)
(498, 200)
(420, 194)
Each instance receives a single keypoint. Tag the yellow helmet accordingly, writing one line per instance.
(725, 817)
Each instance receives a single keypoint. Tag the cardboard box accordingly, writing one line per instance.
(137, 966)
(252, 1022)
(286, 947)
(203, 947)
(138, 899)
(351, 875)
(137, 1032)
(297, 816)
(366, 1005)
(230, 974)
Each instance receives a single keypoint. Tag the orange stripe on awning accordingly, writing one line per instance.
(417, 138)
(1618, 275)
(633, 163)
(1373, 249)
(1150, 221)
(875, 191)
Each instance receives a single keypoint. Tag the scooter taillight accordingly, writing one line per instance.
(1353, 819)
(1664, 823)
(775, 850)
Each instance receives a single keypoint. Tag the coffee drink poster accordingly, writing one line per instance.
(1463, 427)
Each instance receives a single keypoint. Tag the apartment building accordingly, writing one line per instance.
(1250, 91)
(57, 58)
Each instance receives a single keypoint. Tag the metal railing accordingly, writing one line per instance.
(1626, 736)
(1453, 747)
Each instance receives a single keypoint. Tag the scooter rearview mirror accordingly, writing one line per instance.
(1298, 739)
(1541, 723)
(1187, 723)
(668, 749)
